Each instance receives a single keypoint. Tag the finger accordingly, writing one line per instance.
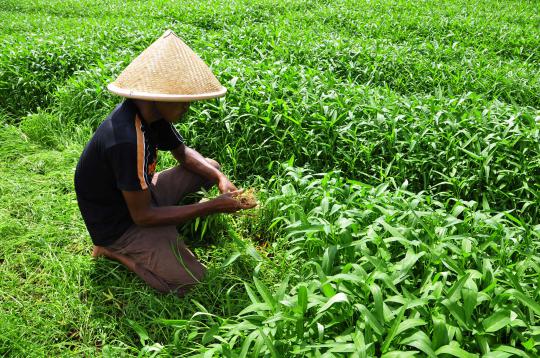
(224, 189)
(249, 206)
(236, 192)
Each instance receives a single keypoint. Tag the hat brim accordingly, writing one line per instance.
(165, 97)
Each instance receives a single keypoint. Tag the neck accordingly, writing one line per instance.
(148, 110)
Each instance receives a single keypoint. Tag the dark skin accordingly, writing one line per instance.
(139, 202)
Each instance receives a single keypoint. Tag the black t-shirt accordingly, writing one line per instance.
(121, 155)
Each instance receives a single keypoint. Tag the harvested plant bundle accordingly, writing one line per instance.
(247, 197)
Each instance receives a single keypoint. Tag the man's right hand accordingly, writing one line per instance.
(144, 214)
(226, 203)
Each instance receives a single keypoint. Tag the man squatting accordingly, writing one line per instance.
(130, 211)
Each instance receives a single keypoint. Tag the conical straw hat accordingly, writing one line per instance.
(168, 70)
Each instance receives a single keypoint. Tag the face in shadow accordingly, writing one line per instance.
(172, 111)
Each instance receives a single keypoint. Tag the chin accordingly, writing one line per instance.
(175, 119)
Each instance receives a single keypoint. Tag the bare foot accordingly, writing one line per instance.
(103, 251)
(98, 251)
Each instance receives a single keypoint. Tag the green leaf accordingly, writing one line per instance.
(392, 230)
(251, 251)
(456, 287)
(209, 335)
(482, 343)
(231, 259)
(247, 344)
(324, 205)
(440, 333)
(455, 350)
(199, 306)
(140, 330)
(258, 307)
(258, 345)
(359, 343)
(328, 259)
(408, 324)
(469, 292)
(496, 321)
(471, 154)
(408, 261)
(252, 296)
(338, 297)
(378, 301)
(496, 354)
(456, 311)
(173, 322)
(302, 299)
(264, 292)
(280, 293)
(300, 329)
(512, 350)
(421, 341)
(526, 300)
(346, 277)
(210, 353)
(399, 354)
(370, 319)
(342, 347)
(392, 332)
(320, 331)
(328, 290)
(529, 345)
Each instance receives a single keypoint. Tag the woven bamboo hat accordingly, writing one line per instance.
(169, 71)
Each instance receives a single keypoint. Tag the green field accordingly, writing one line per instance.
(394, 147)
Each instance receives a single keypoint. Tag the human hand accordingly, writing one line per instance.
(225, 185)
(227, 203)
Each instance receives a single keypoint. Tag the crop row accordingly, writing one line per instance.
(380, 272)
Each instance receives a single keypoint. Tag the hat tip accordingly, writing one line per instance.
(169, 32)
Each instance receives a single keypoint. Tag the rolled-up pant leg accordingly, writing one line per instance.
(162, 259)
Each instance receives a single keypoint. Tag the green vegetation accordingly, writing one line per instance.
(395, 148)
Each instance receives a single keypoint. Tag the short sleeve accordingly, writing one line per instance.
(168, 137)
(127, 163)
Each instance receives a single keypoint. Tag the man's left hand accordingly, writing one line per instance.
(225, 185)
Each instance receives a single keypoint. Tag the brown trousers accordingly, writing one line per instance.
(161, 258)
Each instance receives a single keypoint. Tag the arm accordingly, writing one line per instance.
(144, 214)
(196, 163)
(126, 163)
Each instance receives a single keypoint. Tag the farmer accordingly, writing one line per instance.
(130, 211)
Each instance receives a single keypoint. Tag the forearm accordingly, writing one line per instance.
(144, 214)
(174, 215)
(196, 163)
(207, 168)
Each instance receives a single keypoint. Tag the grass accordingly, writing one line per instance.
(394, 147)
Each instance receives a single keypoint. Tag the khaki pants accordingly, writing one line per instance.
(161, 258)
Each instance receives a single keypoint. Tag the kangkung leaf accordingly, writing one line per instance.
(496, 321)
(338, 297)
